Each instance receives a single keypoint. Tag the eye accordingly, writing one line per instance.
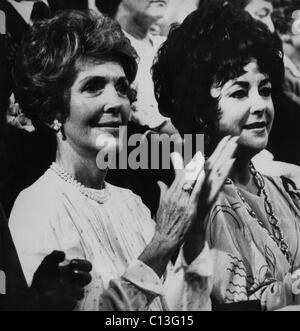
(123, 87)
(94, 86)
(240, 94)
(266, 91)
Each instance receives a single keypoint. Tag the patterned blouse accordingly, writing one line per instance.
(249, 265)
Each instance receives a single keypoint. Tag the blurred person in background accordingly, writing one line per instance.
(136, 18)
(176, 12)
(287, 21)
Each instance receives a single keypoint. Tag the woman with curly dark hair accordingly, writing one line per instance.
(217, 74)
(74, 73)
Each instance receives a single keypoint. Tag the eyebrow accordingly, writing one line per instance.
(105, 78)
(241, 84)
(264, 82)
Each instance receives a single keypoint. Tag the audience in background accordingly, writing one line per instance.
(287, 22)
(136, 18)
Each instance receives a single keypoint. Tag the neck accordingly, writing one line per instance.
(240, 173)
(136, 27)
(82, 167)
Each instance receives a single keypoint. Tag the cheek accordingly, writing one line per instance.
(233, 115)
(270, 113)
(82, 111)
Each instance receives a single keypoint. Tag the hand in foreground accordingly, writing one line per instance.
(210, 183)
(60, 288)
(192, 194)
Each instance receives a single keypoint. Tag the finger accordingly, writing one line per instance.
(178, 165)
(189, 177)
(82, 265)
(198, 187)
(218, 150)
(193, 169)
(226, 154)
(217, 182)
(81, 278)
(163, 190)
(75, 277)
(52, 261)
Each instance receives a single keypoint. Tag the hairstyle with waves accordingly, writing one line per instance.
(212, 46)
(52, 52)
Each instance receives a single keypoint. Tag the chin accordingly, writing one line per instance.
(253, 147)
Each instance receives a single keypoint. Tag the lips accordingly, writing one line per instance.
(255, 125)
(163, 2)
(109, 124)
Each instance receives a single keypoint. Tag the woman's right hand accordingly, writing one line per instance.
(179, 203)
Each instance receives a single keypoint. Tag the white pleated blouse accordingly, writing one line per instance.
(54, 215)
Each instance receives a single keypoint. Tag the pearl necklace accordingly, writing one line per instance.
(277, 234)
(99, 196)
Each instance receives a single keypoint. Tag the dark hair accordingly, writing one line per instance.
(283, 15)
(212, 46)
(52, 52)
(108, 7)
(239, 4)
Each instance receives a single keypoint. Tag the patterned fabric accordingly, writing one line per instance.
(53, 215)
(248, 263)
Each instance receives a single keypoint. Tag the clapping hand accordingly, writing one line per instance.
(184, 205)
(209, 184)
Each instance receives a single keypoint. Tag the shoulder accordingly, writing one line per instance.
(37, 202)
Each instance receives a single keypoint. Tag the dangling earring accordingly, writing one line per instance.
(57, 126)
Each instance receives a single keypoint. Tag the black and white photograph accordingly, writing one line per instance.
(150, 158)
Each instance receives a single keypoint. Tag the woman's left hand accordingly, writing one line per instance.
(211, 181)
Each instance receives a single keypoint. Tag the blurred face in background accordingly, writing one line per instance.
(295, 33)
(145, 9)
(262, 10)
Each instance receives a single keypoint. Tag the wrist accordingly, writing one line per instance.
(157, 255)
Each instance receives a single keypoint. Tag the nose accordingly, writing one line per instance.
(113, 102)
(258, 104)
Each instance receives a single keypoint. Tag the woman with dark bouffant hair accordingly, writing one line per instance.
(74, 73)
(217, 74)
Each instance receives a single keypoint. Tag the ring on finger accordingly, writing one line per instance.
(187, 187)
